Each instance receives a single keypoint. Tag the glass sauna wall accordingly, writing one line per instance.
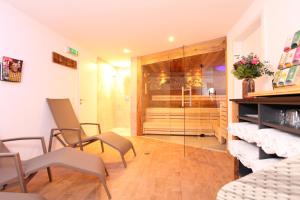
(182, 97)
(206, 111)
(157, 103)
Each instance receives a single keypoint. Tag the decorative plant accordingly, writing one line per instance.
(251, 67)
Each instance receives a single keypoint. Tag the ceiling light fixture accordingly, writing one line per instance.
(126, 51)
(171, 38)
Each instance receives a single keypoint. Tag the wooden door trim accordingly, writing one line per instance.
(209, 46)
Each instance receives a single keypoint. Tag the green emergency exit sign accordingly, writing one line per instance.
(73, 51)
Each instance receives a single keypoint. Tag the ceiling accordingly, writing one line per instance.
(143, 26)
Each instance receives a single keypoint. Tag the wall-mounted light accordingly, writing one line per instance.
(221, 68)
(193, 80)
(197, 79)
(163, 78)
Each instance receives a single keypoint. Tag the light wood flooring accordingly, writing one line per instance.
(207, 142)
(159, 172)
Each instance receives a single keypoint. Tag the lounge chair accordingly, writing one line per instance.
(13, 170)
(19, 196)
(73, 134)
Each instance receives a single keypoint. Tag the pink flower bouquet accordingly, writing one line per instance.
(250, 67)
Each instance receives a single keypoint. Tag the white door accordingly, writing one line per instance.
(88, 94)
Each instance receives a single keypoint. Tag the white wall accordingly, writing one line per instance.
(278, 19)
(249, 41)
(23, 108)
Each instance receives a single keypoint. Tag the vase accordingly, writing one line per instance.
(248, 86)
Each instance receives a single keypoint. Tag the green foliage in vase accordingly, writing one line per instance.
(251, 67)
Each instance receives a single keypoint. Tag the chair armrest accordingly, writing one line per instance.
(7, 155)
(22, 138)
(57, 131)
(18, 165)
(29, 138)
(89, 123)
(93, 124)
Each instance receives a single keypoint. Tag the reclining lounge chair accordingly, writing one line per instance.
(19, 196)
(73, 134)
(13, 170)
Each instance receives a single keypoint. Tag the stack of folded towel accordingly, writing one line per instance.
(243, 151)
(248, 154)
(273, 141)
(244, 130)
(263, 163)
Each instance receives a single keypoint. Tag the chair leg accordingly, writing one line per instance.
(134, 152)
(124, 161)
(107, 174)
(107, 191)
(49, 174)
(3, 187)
(102, 146)
(20, 173)
(50, 141)
(23, 185)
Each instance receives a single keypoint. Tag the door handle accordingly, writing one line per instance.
(81, 101)
(190, 92)
(182, 96)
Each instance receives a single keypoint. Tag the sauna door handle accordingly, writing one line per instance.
(190, 93)
(182, 96)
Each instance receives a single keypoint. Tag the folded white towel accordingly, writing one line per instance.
(244, 130)
(277, 142)
(264, 163)
(248, 154)
(243, 151)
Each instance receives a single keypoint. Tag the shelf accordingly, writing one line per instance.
(275, 100)
(287, 90)
(284, 128)
(249, 119)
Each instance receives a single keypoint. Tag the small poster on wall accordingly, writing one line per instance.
(11, 69)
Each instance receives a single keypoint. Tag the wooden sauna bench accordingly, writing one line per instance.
(174, 121)
(176, 100)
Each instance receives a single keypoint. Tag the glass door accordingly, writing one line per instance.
(163, 116)
(157, 100)
(182, 100)
(203, 94)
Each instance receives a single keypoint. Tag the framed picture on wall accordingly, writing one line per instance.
(11, 69)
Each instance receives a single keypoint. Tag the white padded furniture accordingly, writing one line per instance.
(280, 181)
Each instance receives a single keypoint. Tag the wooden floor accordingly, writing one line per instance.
(159, 172)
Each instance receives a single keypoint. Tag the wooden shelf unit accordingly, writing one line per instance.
(249, 119)
(286, 90)
(267, 109)
(284, 128)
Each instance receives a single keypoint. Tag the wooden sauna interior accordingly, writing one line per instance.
(176, 98)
